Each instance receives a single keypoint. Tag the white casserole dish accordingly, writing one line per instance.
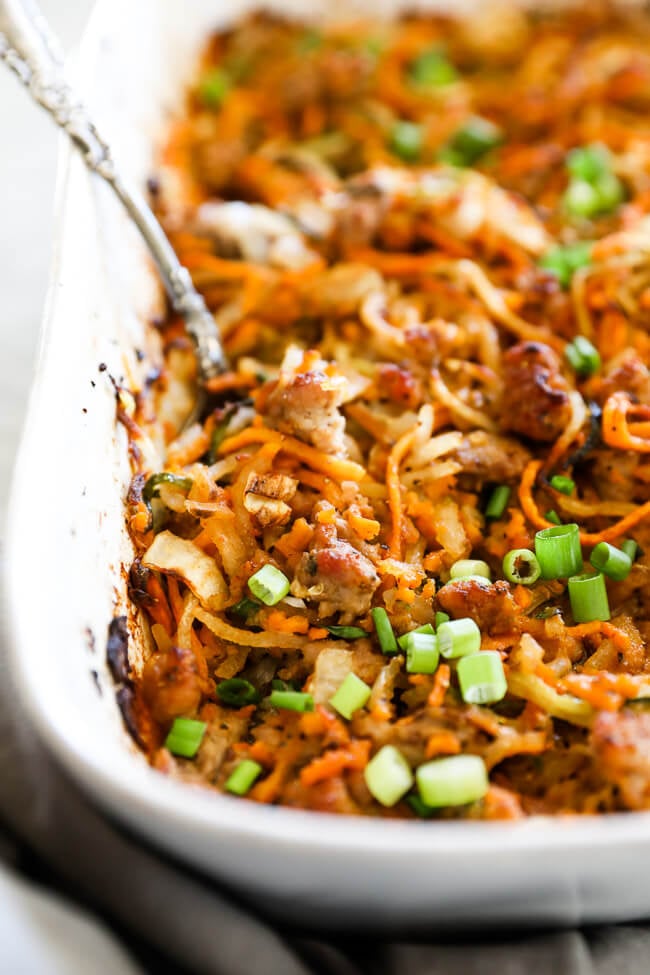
(67, 545)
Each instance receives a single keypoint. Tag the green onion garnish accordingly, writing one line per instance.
(283, 685)
(237, 692)
(185, 737)
(291, 700)
(179, 481)
(427, 628)
(350, 696)
(469, 567)
(406, 140)
(482, 678)
(563, 484)
(476, 137)
(213, 88)
(453, 781)
(244, 608)
(432, 69)
(220, 433)
(388, 776)
(614, 562)
(421, 653)
(563, 262)
(588, 597)
(385, 634)
(611, 192)
(594, 187)
(520, 565)
(630, 547)
(242, 778)
(553, 516)
(457, 638)
(497, 502)
(558, 551)
(441, 618)
(269, 585)
(419, 808)
(347, 632)
(582, 356)
(581, 199)
(589, 163)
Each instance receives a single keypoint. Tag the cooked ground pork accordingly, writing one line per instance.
(621, 742)
(536, 394)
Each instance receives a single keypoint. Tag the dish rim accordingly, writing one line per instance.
(130, 780)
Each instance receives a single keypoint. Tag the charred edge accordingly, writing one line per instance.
(117, 649)
(126, 702)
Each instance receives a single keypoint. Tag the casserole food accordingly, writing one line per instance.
(364, 567)
(318, 869)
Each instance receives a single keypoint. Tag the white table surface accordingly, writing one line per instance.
(28, 150)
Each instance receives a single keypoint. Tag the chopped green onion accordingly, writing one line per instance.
(611, 192)
(213, 88)
(283, 685)
(469, 567)
(244, 608)
(481, 580)
(594, 187)
(402, 641)
(457, 638)
(291, 700)
(220, 432)
(237, 692)
(614, 562)
(406, 140)
(553, 516)
(563, 484)
(242, 778)
(482, 678)
(630, 547)
(388, 776)
(521, 566)
(150, 490)
(347, 632)
(589, 163)
(582, 356)
(350, 696)
(558, 551)
(185, 737)
(441, 618)
(476, 137)
(453, 781)
(421, 653)
(563, 262)
(588, 597)
(432, 69)
(269, 585)
(385, 634)
(497, 502)
(419, 808)
(581, 199)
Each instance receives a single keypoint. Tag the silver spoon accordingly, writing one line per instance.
(30, 49)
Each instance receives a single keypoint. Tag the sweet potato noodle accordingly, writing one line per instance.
(427, 247)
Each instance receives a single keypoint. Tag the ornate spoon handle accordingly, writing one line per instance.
(32, 52)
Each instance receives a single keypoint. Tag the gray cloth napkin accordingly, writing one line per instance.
(188, 921)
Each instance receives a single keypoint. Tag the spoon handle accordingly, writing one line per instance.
(30, 49)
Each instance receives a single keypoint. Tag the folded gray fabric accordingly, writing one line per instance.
(191, 922)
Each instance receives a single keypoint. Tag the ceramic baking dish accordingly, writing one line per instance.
(67, 546)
